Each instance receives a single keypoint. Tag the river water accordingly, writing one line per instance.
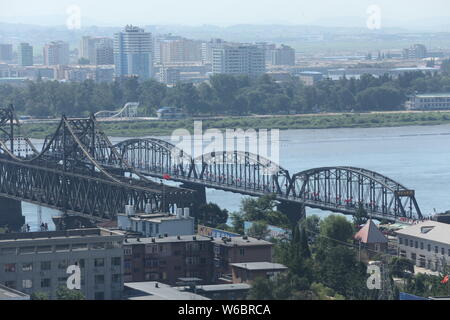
(417, 157)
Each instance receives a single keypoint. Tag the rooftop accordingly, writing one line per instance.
(434, 95)
(131, 241)
(253, 266)
(242, 241)
(428, 230)
(78, 233)
(157, 291)
(157, 217)
(11, 294)
(370, 234)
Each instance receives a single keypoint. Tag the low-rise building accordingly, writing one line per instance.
(156, 224)
(153, 290)
(248, 272)
(371, 239)
(38, 261)
(432, 101)
(310, 78)
(427, 244)
(228, 291)
(166, 259)
(239, 250)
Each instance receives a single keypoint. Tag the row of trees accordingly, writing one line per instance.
(225, 95)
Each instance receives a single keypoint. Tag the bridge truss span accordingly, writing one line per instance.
(348, 189)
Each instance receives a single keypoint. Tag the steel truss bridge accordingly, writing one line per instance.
(79, 171)
(337, 189)
(69, 175)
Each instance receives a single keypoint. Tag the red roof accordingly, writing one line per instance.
(370, 234)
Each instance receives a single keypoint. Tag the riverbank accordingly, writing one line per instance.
(317, 121)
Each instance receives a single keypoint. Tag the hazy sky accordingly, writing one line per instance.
(220, 12)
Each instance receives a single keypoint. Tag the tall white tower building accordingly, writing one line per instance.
(133, 53)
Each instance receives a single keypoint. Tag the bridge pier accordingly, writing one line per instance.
(294, 211)
(11, 214)
(199, 196)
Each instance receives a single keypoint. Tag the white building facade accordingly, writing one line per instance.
(427, 244)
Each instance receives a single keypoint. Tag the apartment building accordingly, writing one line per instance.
(415, 52)
(239, 59)
(56, 53)
(239, 250)
(427, 244)
(166, 259)
(25, 55)
(38, 262)
(98, 50)
(6, 52)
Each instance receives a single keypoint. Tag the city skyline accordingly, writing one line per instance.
(326, 12)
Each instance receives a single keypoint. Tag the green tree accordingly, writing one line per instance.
(39, 296)
(211, 215)
(400, 265)
(238, 223)
(264, 209)
(62, 293)
(360, 216)
(258, 230)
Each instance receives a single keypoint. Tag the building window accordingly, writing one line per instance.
(115, 278)
(10, 267)
(99, 262)
(128, 251)
(99, 296)
(62, 264)
(27, 267)
(99, 279)
(416, 244)
(46, 265)
(27, 284)
(46, 283)
(411, 243)
(116, 261)
(400, 240)
(421, 246)
(10, 284)
(442, 251)
(436, 249)
(242, 251)
(429, 247)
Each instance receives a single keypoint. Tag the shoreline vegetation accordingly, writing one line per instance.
(141, 128)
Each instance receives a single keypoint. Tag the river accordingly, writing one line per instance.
(417, 157)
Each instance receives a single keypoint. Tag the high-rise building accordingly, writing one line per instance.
(25, 54)
(417, 51)
(283, 56)
(180, 50)
(6, 52)
(104, 52)
(56, 53)
(98, 50)
(239, 59)
(133, 53)
(207, 49)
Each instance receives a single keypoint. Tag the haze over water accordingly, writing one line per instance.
(417, 157)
